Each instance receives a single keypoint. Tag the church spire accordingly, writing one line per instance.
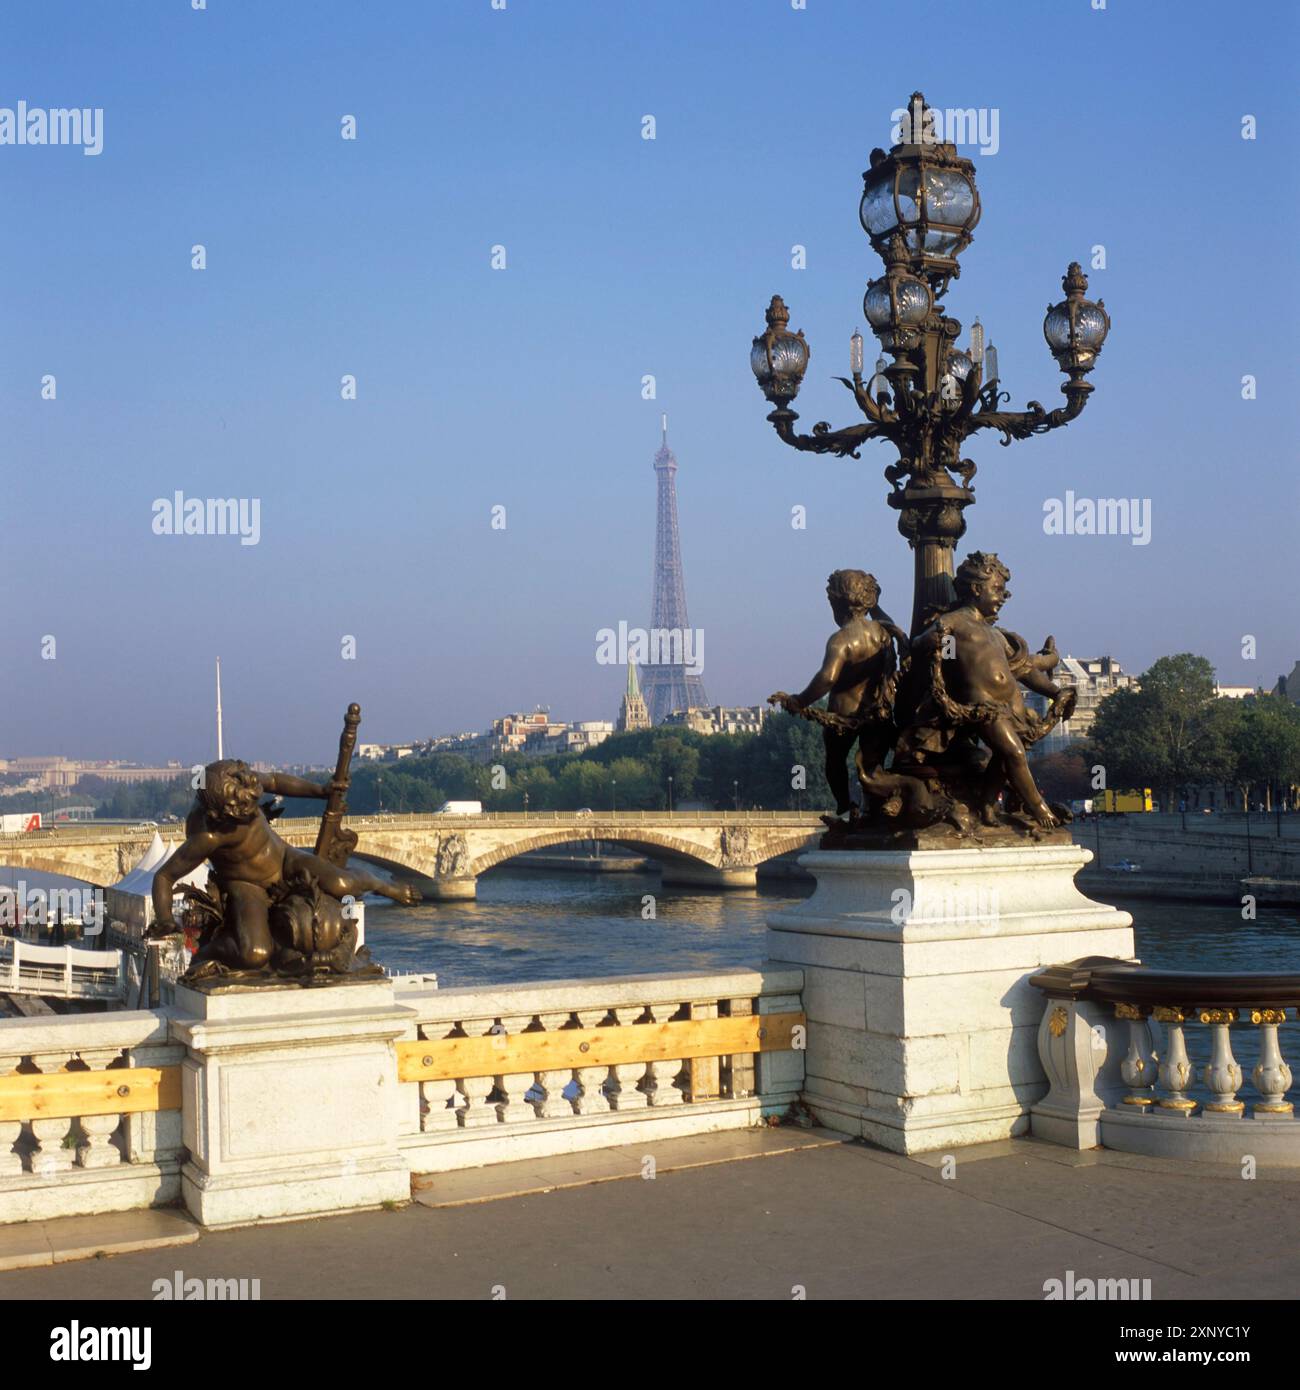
(633, 715)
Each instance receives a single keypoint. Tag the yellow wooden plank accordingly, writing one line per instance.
(705, 1073)
(120, 1091)
(507, 1054)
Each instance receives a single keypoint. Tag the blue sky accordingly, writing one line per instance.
(522, 387)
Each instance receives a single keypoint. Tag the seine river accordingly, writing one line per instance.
(530, 925)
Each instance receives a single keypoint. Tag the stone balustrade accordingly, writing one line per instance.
(1151, 1061)
(504, 1101)
(263, 1104)
(89, 1114)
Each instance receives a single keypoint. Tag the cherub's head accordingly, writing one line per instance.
(230, 791)
(981, 581)
(852, 593)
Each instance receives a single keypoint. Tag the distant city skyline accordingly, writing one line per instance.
(516, 283)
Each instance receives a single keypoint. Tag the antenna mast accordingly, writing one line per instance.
(220, 746)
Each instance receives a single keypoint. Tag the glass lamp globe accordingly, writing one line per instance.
(1076, 328)
(960, 364)
(923, 191)
(778, 357)
(899, 301)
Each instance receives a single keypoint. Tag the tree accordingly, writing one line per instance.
(1267, 748)
(1168, 734)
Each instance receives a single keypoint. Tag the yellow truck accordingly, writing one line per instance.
(1112, 802)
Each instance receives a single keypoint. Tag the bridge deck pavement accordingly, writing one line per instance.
(842, 1220)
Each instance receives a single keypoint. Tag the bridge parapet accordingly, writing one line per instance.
(92, 1122)
(528, 1070)
(300, 1118)
(1116, 1082)
(443, 856)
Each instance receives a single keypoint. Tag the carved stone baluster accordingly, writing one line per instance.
(10, 1162)
(1272, 1076)
(1222, 1075)
(436, 1113)
(477, 1110)
(50, 1157)
(659, 1086)
(152, 1136)
(591, 1080)
(1175, 1066)
(625, 1078)
(738, 1069)
(98, 1151)
(514, 1086)
(1138, 1069)
(554, 1104)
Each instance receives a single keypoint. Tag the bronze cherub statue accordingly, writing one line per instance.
(272, 910)
(858, 673)
(942, 730)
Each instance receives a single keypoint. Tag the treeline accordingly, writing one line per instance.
(111, 800)
(628, 772)
(1175, 735)
(777, 769)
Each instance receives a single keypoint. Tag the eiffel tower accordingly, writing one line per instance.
(669, 686)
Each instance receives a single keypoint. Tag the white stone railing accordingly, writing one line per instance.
(1125, 1072)
(457, 1121)
(255, 1105)
(73, 1140)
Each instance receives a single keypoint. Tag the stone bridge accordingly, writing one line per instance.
(444, 855)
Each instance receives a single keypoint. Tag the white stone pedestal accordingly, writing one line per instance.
(290, 1101)
(921, 1024)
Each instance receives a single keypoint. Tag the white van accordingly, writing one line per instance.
(460, 808)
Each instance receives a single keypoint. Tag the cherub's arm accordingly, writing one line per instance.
(880, 616)
(824, 680)
(192, 852)
(1037, 679)
(821, 683)
(283, 784)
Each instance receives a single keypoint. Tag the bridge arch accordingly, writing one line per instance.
(655, 845)
(100, 872)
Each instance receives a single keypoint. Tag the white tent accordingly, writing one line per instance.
(130, 900)
(157, 852)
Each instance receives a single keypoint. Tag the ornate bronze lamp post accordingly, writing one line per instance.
(919, 207)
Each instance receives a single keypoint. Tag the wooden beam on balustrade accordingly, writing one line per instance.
(498, 1054)
(705, 1073)
(116, 1091)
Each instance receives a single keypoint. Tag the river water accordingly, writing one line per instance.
(530, 925)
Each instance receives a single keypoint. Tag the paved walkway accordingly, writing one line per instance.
(840, 1220)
